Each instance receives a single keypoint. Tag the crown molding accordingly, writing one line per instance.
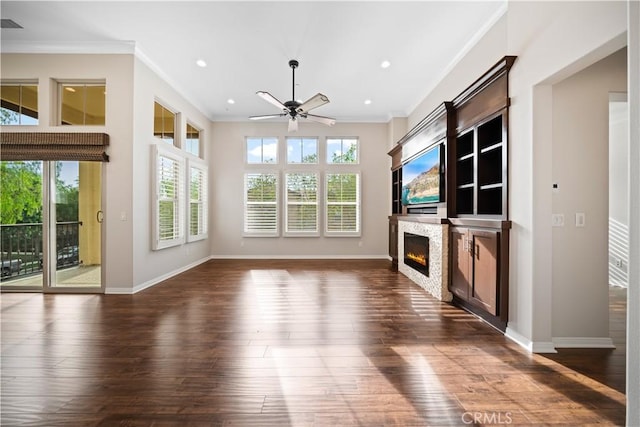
(57, 47)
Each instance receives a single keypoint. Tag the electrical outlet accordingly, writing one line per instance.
(557, 220)
(618, 262)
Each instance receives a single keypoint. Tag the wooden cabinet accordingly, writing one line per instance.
(478, 268)
(478, 200)
(393, 241)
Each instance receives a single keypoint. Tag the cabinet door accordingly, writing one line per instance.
(485, 253)
(460, 272)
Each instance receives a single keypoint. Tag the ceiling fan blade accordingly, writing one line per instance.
(314, 102)
(320, 119)
(272, 100)
(293, 125)
(267, 116)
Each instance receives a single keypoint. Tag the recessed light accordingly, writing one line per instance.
(385, 64)
(367, 101)
(201, 63)
(230, 101)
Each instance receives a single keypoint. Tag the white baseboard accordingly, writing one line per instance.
(583, 342)
(543, 347)
(527, 344)
(300, 257)
(154, 281)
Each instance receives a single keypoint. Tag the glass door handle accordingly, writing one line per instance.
(99, 216)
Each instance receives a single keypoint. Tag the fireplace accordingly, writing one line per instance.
(416, 252)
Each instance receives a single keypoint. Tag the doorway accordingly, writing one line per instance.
(618, 189)
(51, 226)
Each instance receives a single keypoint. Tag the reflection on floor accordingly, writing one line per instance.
(281, 343)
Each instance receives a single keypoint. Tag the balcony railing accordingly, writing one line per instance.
(21, 248)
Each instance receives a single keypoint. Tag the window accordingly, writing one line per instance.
(19, 104)
(168, 214)
(262, 150)
(164, 124)
(261, 204)
(302, 203)
(82, 104)
(302, 150)
(198, 199)
(192, 143)
(342, 150)
(342, 204)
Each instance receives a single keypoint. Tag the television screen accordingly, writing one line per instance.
(421, 178)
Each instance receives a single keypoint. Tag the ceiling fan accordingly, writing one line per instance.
(294, 109)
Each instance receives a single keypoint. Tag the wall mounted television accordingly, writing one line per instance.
(423, 177)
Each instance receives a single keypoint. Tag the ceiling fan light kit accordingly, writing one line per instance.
(294, 109)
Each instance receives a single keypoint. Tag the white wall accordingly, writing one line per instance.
(552, 40)
(117, 71)
(152, 266)
(227, 181)
(580, 167)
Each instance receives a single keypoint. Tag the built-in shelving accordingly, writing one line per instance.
(481, 169)
(473, 129)
(396, 191)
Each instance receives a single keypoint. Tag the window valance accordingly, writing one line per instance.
(54, 146)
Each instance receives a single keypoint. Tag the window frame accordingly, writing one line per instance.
(175, 140)
(62, 85)
(187, 139)
(203, 201)
(262, 143)
(342, 139)
(287, 203)
(357, 204)
(160, 150)
(20, 84)
(276, 203)
(301, 139)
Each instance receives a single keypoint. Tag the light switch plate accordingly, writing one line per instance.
(580, 220)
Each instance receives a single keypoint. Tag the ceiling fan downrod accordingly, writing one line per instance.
(293, 64)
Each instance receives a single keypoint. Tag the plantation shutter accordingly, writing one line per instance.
(169, 191)
(54, 146)
(343, 203)
(169, 182)
(198, 200)
(261, 209)
(302, 202)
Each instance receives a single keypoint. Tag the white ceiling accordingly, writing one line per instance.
(247, 46)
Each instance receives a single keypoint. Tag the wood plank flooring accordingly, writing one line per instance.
(282, 343)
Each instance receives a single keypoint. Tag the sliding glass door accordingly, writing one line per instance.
(51, 227)
(22, 228)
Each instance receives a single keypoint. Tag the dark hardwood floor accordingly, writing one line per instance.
(283, 343)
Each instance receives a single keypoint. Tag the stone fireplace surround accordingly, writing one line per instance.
(438, 233)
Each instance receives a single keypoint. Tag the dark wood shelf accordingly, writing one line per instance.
(490, 186)
(491, 147)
